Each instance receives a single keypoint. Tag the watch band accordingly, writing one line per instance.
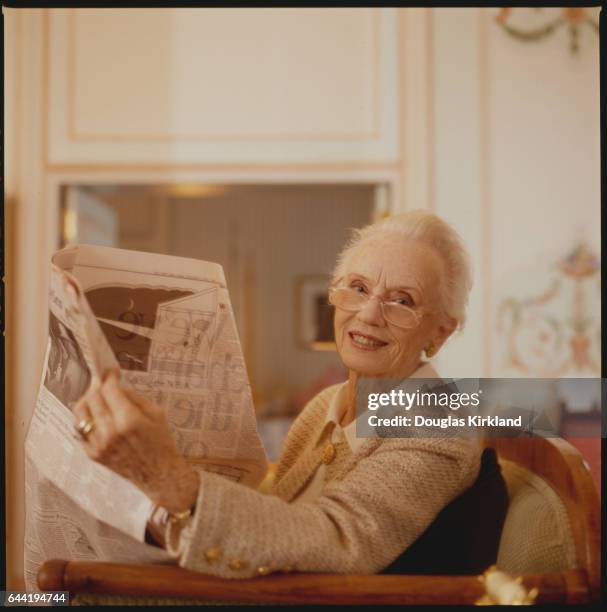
(179, 517)
(174, 518)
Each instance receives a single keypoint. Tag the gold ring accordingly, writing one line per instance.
(85, 427)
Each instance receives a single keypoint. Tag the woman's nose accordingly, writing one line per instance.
(371, 313)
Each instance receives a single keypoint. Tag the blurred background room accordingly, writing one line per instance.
(257, 138)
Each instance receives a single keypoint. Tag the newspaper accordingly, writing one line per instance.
(167, 323)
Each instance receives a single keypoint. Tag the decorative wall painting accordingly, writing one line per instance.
(556, 332)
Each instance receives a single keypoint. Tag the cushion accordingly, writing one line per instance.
(465, 536)
(536, 537)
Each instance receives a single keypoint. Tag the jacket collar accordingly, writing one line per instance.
(338, 400)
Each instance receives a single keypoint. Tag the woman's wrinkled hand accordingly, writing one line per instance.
(131, 437)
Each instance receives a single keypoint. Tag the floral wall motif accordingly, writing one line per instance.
(556, 332)
(575, 18)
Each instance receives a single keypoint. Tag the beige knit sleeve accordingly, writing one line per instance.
(358, 525)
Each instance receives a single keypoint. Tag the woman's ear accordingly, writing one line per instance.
(445, 329)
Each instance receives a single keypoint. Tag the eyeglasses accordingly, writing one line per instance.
(348, 298)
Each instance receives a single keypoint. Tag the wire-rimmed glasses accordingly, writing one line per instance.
(348, 298)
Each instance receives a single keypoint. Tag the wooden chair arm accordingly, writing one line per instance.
(175, 582)
(563, 467)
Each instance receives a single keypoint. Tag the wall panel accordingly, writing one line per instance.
(218, 85)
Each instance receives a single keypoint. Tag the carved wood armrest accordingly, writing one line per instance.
(171, 581)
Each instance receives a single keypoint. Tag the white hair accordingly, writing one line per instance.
(431, 230)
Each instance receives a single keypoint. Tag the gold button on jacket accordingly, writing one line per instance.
(328, 454)
(238, 564)
(212, 554)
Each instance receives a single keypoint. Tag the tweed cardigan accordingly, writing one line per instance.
(375, 503)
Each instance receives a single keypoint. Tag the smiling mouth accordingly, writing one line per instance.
(366, 343)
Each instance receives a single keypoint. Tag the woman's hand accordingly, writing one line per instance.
(131, 437)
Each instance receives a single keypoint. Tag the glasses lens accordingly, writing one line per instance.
(347, 299)
(400, 315)
(350, 299)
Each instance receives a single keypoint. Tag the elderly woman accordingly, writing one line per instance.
(338, 503)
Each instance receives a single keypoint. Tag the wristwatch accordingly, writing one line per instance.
(174, 518)
(159, 521)
(178, 517)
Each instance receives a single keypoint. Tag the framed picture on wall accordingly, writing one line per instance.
(313, 313)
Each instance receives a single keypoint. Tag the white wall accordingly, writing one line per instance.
(178, 80)
(543, 153)
(26, 279)
(517, 166)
